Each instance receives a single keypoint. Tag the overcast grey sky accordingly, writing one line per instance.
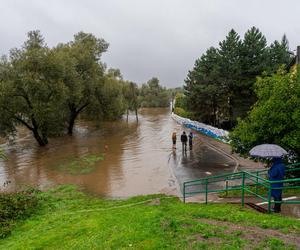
(148, 37)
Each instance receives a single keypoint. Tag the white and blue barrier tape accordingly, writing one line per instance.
(216, 133)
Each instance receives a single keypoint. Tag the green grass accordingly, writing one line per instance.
(83, 165)
(69, 219)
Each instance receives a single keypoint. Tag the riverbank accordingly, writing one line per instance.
(69, 219)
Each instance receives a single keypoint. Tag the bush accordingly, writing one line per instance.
(180, 101)
(183, 113)
(16, 206)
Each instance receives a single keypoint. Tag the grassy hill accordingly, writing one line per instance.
(65, 218)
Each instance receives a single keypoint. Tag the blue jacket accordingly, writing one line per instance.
(276, 173)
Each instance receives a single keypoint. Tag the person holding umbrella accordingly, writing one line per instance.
(276, 171)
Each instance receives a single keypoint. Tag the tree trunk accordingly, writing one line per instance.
(230, 109)
(136, 115)
(74, 112)
(42, 140)
(72, 119)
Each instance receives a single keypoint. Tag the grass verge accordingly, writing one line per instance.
(83, 165)
(69, 219)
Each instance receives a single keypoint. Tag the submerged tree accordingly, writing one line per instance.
(46, 89)
(110, 103)
(83, 73)
(31, 90)
(154, 95)
(131, 96)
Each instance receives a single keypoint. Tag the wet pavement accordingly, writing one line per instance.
(138, 158)
(202, 161)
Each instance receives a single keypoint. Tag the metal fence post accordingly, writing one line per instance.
(206, 190)
(243, 189)
(256, 186)
(226, 187)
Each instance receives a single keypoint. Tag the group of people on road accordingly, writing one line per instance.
(184, 138)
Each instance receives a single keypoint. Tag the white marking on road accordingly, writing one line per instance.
(284, 199)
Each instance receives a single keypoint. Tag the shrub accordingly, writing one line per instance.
(183, 113)
(14, 207)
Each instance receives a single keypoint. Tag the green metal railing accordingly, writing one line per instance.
(253, 183)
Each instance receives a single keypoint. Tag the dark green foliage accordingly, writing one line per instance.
(180, 101)
(275, 117)
(253, 55)
(154, 95)
(203, 89)
(14, 207)
(183, 113)
(31, 90)
(131, 95)
(229, 73)
(82, 73)
(278, 55)
(46, 89)
(110, 103)
(181, 108)
(220, 86)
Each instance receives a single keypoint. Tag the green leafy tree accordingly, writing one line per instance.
(114, 73)
(83, 73)
(110, 103)
(131, 95)
(31, 90)
(172, 92)
(275, 117)
(154, 95)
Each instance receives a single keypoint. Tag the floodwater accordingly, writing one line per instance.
(136, 158)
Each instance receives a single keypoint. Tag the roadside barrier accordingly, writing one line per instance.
(216, 133)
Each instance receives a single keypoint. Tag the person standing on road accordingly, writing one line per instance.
(184, 139)
(276, 173)
(174, 138)
(191, 136)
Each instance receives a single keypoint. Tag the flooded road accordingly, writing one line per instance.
(123, 159)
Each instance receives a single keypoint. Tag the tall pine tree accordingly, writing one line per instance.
(230, 70)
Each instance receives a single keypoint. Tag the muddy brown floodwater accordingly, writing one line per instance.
(134, 158)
